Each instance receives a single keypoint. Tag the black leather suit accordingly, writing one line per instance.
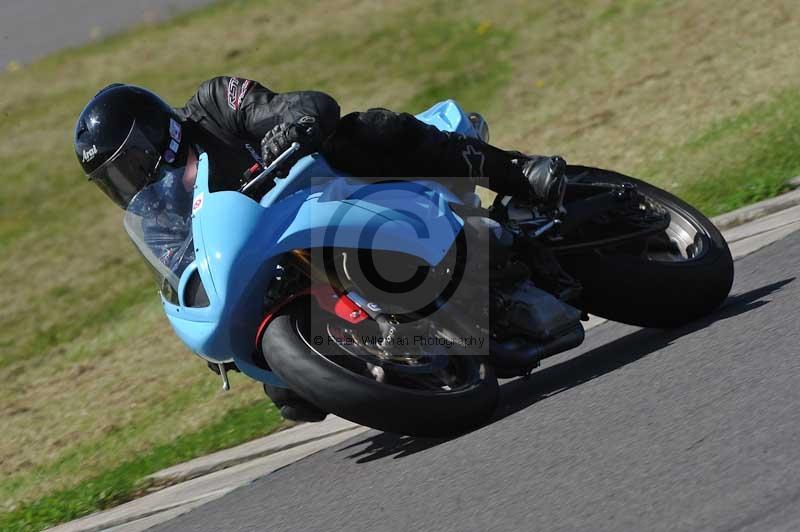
(229, 116)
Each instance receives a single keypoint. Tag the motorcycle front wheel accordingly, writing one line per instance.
(671, 278)
(317, 358)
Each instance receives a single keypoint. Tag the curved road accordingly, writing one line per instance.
(692, 429)
(32, 28)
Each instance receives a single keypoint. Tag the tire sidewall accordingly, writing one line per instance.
(329, 386)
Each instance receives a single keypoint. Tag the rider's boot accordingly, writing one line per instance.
(292, 406)
(536, 178)
(380, 142)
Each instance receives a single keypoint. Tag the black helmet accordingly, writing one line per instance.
(126, 138)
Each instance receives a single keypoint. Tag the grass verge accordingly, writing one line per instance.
(760, 149)
(121, 483)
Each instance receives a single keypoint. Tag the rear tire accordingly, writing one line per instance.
(332, 387)
(634, 290)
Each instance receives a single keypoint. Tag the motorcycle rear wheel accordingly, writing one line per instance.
(297, 349)
(663, 289)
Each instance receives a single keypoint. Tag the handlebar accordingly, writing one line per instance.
(253, 183)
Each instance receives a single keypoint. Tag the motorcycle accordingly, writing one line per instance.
(398, 304)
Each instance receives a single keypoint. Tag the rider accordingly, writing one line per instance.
(128, 138)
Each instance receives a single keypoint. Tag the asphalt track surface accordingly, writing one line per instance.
(30, 29)
(691, 429)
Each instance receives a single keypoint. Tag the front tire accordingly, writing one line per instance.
(653, 292)
(330, 380)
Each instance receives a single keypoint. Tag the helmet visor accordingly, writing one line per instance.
(130, 169)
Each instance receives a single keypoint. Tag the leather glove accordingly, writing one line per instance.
(305, 131)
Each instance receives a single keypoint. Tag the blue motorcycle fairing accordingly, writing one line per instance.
(412, 217)
(238, 241)
(448, 116)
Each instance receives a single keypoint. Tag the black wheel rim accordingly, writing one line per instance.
(684, 240)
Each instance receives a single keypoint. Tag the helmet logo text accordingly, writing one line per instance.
(89, 154)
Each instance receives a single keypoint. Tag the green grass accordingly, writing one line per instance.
(119, 484)
(759, 149)
(700, 97)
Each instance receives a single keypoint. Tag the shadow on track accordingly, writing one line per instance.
(386, 444)
(519, 394)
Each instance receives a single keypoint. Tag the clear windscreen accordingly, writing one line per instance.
(159, 222)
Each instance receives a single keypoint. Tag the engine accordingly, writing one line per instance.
(529, 324)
